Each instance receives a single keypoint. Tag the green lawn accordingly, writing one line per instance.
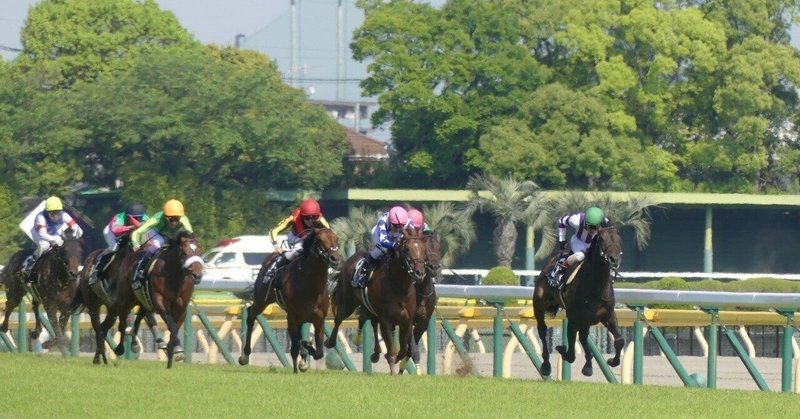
(51, 386)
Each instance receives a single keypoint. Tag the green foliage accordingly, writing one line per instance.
(453, 227)
(500, 275)
(696, 96)
(750, 285)
(355, 231)
(671, 283)
(67, 41)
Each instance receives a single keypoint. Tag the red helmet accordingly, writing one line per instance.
(416, 217)
(310, 208)
(398, 216)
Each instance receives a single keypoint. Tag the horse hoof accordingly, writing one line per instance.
(244, 360)
(587, 371)
(96, 360)
(302, 365)
(330, 343)
(613, 362)
(561, 349)
(4, 328)
(34, 334)
(375, 357)
(119, 350)
(178, 353)
(135, 347)
(545, 371)
(161, 344)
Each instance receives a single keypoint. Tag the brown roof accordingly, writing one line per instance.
(364, 147)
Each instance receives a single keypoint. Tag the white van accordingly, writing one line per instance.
(238, 259)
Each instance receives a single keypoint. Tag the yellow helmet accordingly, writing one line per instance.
(173, 208)
(53, 204)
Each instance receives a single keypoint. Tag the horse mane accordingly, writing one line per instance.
(308, 240)
(183, 234)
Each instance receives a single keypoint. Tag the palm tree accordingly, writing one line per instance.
(634, 212)
(355, 231)
(454, 228)
(511, 202)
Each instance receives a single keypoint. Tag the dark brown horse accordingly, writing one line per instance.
(302, 292)
(588, 299)
(389, 299)
(54, 283)
(426, 296)
(90, 298)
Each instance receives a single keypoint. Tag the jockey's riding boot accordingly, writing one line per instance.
(363, 273)
(554, 279)
(95, 273)
(142, 272)
(276, 264)
(27, 267)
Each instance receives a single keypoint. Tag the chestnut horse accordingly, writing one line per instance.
(87, 297)
(303, 293)
(54, 284)
(389, 299)
(588, 299)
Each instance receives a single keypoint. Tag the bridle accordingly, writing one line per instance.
(329, 254)
(606, 252)
(191, 257)
(411, 264)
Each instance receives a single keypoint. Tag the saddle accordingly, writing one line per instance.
(139, 283)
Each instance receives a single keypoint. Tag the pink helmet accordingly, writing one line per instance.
(416, 217)
(398, 216)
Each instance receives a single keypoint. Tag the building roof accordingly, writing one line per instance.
(365, 147)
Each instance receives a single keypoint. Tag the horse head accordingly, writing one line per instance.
(71, 255)
(609, 246)
(411, 249)
(190, 255)
(326, 246)
(433, 255)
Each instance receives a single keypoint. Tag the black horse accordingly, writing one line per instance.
(55, 279)
(588, 299)
(426, 297)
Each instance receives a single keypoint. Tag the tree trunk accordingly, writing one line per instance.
(505, 241)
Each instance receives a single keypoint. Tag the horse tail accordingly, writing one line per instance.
(77, 304)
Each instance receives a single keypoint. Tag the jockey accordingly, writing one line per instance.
(119, 225)
(417, 220)
(385, 234)
(48, 230)
(301, 221)
(585, 225)
(163, 226)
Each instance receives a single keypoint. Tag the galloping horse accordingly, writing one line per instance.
(87, 297)
(426, 295)
(55, 283)
(588, 299)
(170, 287)
(303, 293)
(389, 298)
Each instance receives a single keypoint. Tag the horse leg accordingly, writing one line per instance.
(541, 327)
(343, 308)
(583, 335)
(319, 335)
(100, 331)
(121, 326)
(13, 298)
(376, 350)
(135, 346)
(619, 341)
(568, 353)
(37, 329)
(174, 344)
(60, 318)
(406, 342)
(252, 311)
(293, 329)
(150, 320)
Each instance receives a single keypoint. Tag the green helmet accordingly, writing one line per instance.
(594, 216)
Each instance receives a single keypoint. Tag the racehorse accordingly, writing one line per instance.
(389, 298)
(56, 273)
(302, 292)
(177, 268)
(426, 296)
(88, 297)
(588, 299)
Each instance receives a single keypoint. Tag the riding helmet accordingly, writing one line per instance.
(53, 204)
(310, 208)
(173, 208)
(594, 216)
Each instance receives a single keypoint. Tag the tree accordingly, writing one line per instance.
(64, 41)
(453, 227)
(355, 230)
(510, 202)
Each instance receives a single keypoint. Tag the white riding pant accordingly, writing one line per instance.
(578, 248)
(295, 246)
